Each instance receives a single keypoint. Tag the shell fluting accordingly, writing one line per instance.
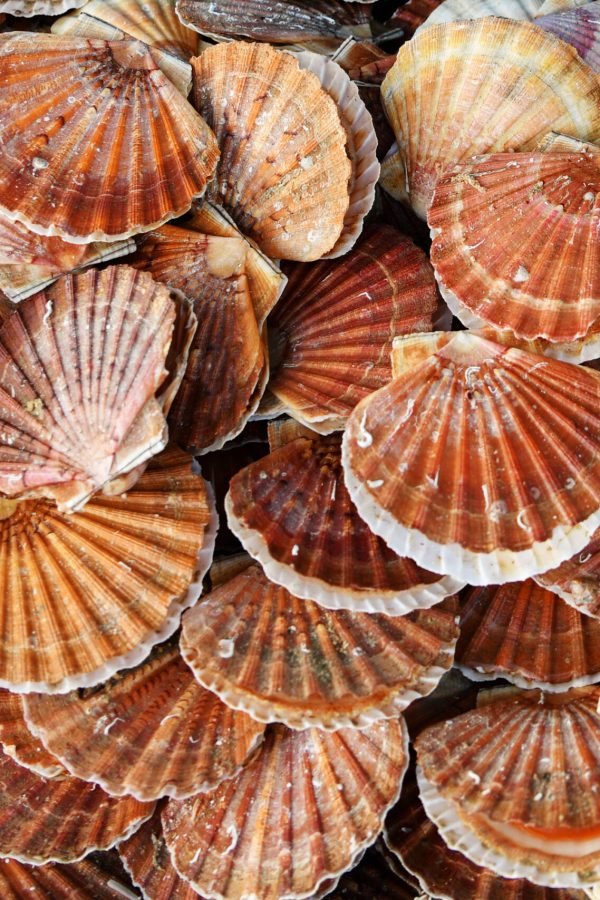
(577, 580)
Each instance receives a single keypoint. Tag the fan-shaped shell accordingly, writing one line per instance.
(529, 636)
(536, 269)
(19, 743)
(283, 173)
(83, 880)
(60, 819)
(149, 733)
(521, 774)
(152, 21)
(467, 88)
(578, 27)
(295, 817)
(80, 364)
(282, 659)
(332, 330)
(96, 143)
(578, 579)
(505, 483)
(291, 511)
(456, 10)
(28, 8)
(90, 593)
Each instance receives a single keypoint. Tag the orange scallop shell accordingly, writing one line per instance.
(505, 485)
(466, 88)
(104, 585)
(283, 173)
(577, 580)
(292, 512)
(103, 145)
(149, 732)
(73, 881)
(529, 636)
(19, 743)
(297, 816)
(282, 659)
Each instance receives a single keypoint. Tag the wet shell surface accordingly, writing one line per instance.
(579, 27)
(60, 819)
(65, 98)
(331, 333)
(283, 659)
(150, 732)
(300, 814)
(19, 743)
(74, 881)
(529, 636)
(80, 364)
(578, 579)
(466, 88)
(542, 278)
(505, 486)
(514, 785)
(292, 512)
(283, 173)
(90, 593)
(227, 366)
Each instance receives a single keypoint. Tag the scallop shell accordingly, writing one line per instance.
(577, 580)
(456, 10)
(60, 819)
(529, 636)
(283, 173)
(19, 743)
(541, 278)
(327, 669)
(28, 8)
(467, 88)
(297, 816)
(154, 153)
(361, 144)
(363, 61)
(554, 6)
(75, 881)
(521, 775)
(152, 21)
(80, 364)
(505, 486)
(104, 585)
(261, 20)
(211, 271)
(331, 333)
(149, 733)
(291, 511)
(412, 14)
(578, 27)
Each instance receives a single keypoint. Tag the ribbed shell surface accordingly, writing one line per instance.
(19, 743)
(455, 10)
(579, 27)
(148, 862)
(578, 579)
(262, 20)
(83, 880)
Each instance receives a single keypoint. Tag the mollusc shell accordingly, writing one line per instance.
(577, 580)
(19, 743)
(28, 8)
(579, 27)
(456, 10)
(73, 881)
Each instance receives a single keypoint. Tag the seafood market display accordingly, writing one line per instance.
(300, 449)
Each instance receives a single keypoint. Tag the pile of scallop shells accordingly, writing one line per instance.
(299, 449)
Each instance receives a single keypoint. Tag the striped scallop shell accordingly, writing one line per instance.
(152, 21)
(283, 173)
(96, 143)
(282, 659)
(291, 510)
(90, 593)
(19, 743)
(529, 636)
(577, 580)
(579, 27)
(84, 880)
(467, 88)
(456, 10)
(28, 8)
(331, 333)
(506, 483)
(534, 266)
(149, 732)
(60, 819)
(297, 816)
(80, 366)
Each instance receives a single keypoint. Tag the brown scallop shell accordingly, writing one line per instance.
(514, 785)
(80, 364)
(536, 271)
(577, 580)
(90, 593)
(19, 743)
(60, 819)
(527, 635)
(152, 21)
(279, 658)
(412, 14)
(364, 61)
(74, 881)
(96, 120)
(466, 88)
(332, 331)
(150, 732)
(472, 497)
(283, 173)
(292, 512)
(297, 816)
